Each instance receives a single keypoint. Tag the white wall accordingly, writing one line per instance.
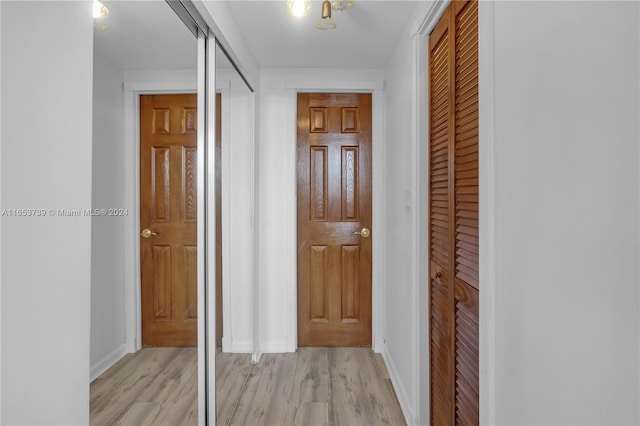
(400, 298)
(567, 207)
(46, 163)
(237, 212)
(107, 233)
(277, 206)
(406, 186)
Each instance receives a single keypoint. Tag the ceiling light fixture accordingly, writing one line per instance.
(99, 10)
(339, 7)
(299, 8)
(326, 23)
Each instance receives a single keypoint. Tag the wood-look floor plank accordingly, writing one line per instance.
(312, 414)
(314, 386)
(139, 413)
(232, 372)
(117, 390)
(359, 396)
(266, 399)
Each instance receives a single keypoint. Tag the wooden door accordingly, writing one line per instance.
(334, 203)
(168, 206)
(453, 216)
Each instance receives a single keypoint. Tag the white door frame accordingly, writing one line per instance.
(376, 88)
(159, 83)
(136, 84)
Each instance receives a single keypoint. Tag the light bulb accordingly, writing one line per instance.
(99, 9)
(299, 8)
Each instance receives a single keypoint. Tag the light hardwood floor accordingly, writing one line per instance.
(314, 386)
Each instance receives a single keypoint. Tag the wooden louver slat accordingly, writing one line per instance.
(454, 216)
(440, 317)
(466, 216)
(466, 119)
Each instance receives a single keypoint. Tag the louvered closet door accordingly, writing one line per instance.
(439, 225)
(453, 217)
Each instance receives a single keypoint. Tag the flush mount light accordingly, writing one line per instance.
(299, 8)
(99, 10)
(326, 23)
(339, 7)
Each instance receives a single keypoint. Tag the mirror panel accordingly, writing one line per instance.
(145, 84)
(235, 203)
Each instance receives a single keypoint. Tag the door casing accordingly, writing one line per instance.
(151, 84)
(377, 232)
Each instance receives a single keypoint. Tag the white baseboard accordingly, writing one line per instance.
(227, 343)
(291, 344)
(242, 347)
(401, 393)
(274, 347)
(107, 362)
(378, 344)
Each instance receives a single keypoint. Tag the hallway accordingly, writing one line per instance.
(158, 386)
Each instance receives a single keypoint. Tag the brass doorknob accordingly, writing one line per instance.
(146, 233)
(364, 233)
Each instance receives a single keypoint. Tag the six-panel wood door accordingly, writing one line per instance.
(453, 216)
(168, 206)
(334, 201)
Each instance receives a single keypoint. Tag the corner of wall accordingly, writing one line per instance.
(398, 386)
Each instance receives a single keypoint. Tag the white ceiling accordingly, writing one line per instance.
(365, 37)
(146, 34)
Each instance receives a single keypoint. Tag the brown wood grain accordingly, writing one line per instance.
(168, 205)
(334, 201)
(453, 216)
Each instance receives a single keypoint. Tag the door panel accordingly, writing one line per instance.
(466, 253)
(168, 206)
(453, 216)
(334, 202)
(439, 226)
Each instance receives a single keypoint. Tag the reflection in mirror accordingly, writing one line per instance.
(143, 283)
(234, 203)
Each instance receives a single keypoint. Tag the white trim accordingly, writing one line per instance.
(403, 398)
(421, 226)
(422, 29)
(207, 220)
(227, 344)
(276, 346)
(242, 347)
(155, 83)
(225, 210)
(430, 20)
(376, 88)
(335, 86)
(255, 161)
(486, 85)
(107, 362)
(200, 235)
